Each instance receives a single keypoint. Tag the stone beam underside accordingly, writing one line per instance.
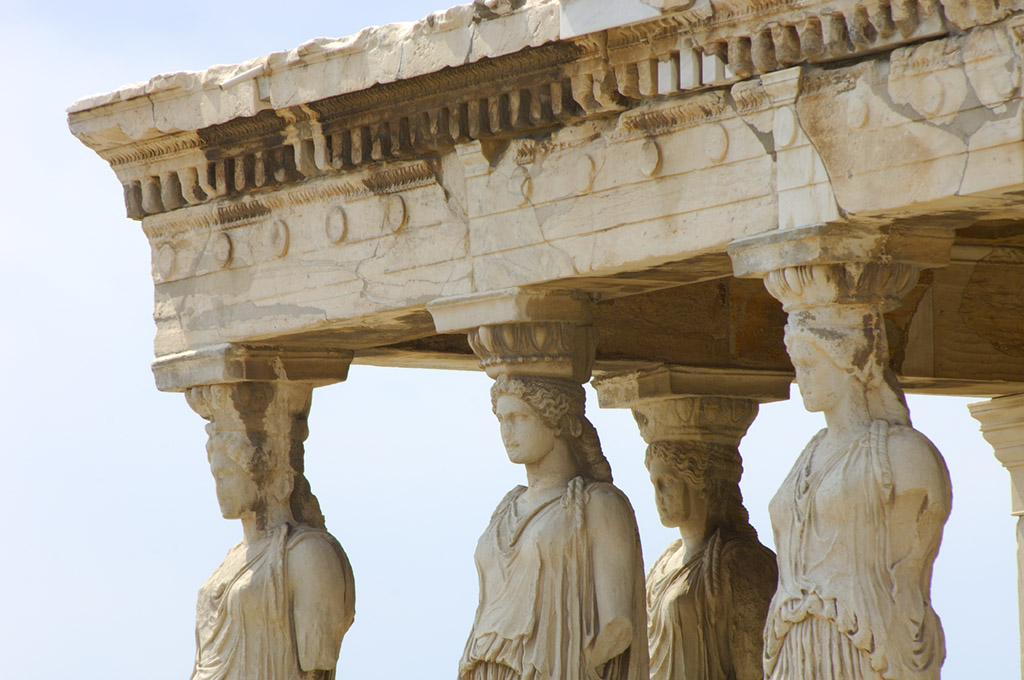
(290, 204)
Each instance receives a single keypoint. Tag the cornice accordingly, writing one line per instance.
(514, 94)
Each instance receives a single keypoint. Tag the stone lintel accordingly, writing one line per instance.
(630, 389)
(511, 305)
(834, 244)
(685, 404)
(1002, 425)
(239, 363)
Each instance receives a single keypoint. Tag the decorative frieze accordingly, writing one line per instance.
(676, 114)
(246, 232)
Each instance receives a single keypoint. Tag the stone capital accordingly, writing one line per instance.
(682, 404)
(831, 276)
(711, 419)
(549, 349)
(242, 363)
(264, 406)
(839, 244)
(1002, 425)
(524, 332)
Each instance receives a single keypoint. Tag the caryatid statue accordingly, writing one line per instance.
(279, 605)
(560, 567)
(859, 518)
(708, 593)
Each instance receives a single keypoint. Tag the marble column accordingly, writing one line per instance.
(560, 566)
(858, 521)
(708, 593)
(1002, 424)
(281, 602)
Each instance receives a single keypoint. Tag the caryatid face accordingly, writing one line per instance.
(821, 382)
(526, 437)
(678, 502)
(237, 492)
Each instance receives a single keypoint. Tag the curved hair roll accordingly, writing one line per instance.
(560, 405)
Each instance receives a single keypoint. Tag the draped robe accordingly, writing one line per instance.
(705, 616)
(834, 615)
(244, 624)
(538, 614)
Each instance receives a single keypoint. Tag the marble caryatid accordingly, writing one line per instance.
(708, 593)
(279, 605)
(561, 575)
(859, 518)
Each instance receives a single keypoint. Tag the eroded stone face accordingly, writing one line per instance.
(867, 488)
(284, 597)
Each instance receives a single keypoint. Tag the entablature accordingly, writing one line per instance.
(335, 191)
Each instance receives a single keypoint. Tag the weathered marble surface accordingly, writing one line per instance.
(280, 604)
(328, 196)
(560, 565)
(858, 520)
(708, 593)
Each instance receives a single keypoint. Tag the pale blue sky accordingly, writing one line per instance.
(111, 520)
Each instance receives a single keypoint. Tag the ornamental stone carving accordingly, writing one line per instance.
(376, 194)
(859, 518)
(279, 605)
(708, 593)
(556, 349)
(561, 577)
(559, 564)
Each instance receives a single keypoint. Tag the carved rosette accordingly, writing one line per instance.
(551, 349)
